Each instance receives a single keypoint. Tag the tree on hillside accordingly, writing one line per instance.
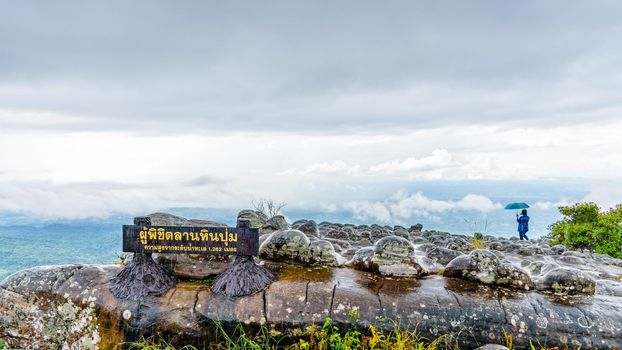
(584, 226)
(269, 207)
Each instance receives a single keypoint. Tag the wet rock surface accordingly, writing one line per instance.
(433, 281)
(486, 267)
(395, 256)
(472, 312)
(567, 281)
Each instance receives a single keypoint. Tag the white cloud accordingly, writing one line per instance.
(606, 194)
(429, 167)
(364, 210)
(548, 205)
(337, 167)
(101, 199)
(440, 159)
(403, 207)
(323, 168)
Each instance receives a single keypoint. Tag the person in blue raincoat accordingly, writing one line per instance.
(523, 224)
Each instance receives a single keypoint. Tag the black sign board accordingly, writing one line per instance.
(239, 240)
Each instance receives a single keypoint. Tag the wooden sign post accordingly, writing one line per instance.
(143, 276)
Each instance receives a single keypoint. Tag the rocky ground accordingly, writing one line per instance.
(433, 281)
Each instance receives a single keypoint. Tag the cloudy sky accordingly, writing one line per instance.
(390, 111)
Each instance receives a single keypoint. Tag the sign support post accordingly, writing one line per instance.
(143, 276)
(244, 277)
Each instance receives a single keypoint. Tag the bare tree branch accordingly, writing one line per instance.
(269, 207)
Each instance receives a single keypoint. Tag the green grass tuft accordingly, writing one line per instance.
(325, 337)
(207, 281)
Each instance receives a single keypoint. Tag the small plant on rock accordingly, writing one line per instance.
(152, 343)
(353, 315)
(478, 241)
(269, 207)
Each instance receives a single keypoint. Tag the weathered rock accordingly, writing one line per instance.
(60, 307)
(471, 313)
(286, 245)
(607, 287)
(257, 218)
(571, 260)
(529, 250)
(480, 265)
(166, 219)
(442, 255)
(323, 252)
(378, 232)
(418, 240)
(533, 267)
(294, 246)
(338, 243)
(394, 256)
(498, 245)
(344, 233)
(513, 276)
(460, 244)
(308, 227)
(485, 267)
(401, 233)
(416, 228)
(429, 266)
(362, 259)
(492, 347)
(275, 223)
(567, 281)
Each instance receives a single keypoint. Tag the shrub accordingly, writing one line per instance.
(584, 226)
(478, 241)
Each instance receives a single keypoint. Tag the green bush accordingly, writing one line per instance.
(584, 226)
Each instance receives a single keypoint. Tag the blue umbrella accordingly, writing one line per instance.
(517, 206)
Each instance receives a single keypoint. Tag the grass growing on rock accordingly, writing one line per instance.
(207, 281)
(478, 241)
(325, 337)
(152, 343)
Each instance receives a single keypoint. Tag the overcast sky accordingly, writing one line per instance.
(133, 106)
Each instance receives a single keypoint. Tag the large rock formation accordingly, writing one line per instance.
(433, 281)
(70, 307)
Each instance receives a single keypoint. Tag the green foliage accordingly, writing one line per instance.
(209, 280)
(478, 241)
(329, 337)
(478, 235)
(584, 226)
(152, 343)
(509, 342)
(2, 345)
(239, 340)
(354, 315)
(326, 337)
